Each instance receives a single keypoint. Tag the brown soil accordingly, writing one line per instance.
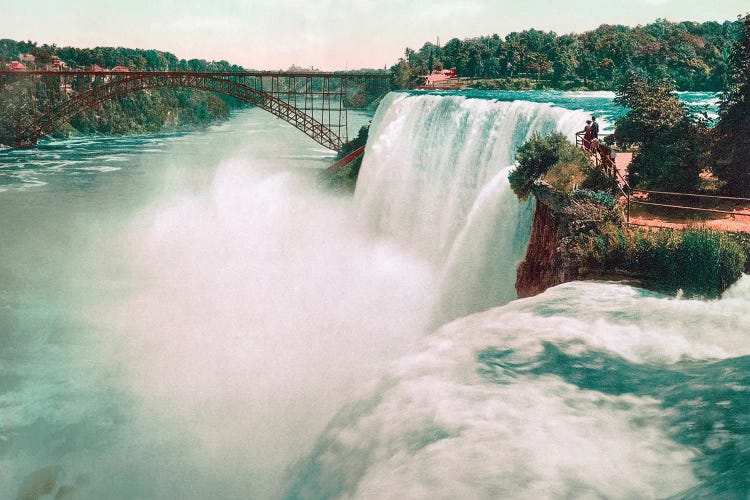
(738, 221)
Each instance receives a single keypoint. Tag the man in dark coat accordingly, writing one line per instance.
(594, 128)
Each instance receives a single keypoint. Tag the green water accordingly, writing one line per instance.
(192, 316)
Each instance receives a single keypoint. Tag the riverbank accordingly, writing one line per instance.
(583, 236)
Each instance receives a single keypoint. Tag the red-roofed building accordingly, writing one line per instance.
(16, 66)
(440, 79)
(96, 68)
(121, 69)
(440, 76)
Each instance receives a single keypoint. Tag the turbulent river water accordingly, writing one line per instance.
(193, 316)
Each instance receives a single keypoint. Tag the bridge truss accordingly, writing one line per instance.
(38, 103)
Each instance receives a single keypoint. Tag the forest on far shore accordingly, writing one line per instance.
(694, 56)
(141, 112)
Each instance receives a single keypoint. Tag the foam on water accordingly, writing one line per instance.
(588, 390)
(434, 178)
(188, 345)
(238, 324)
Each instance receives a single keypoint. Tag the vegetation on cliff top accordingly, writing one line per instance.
(594, 240)
(562, 164)
(697, 261)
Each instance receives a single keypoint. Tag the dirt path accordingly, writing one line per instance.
(738, 221)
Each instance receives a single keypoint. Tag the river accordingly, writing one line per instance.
(193, 316)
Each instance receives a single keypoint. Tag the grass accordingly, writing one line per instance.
(700, 262)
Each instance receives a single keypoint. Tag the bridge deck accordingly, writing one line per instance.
(315, 102)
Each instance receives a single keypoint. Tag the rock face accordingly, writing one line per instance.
(543, 266)
(551, 259)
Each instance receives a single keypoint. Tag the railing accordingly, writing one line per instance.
(600, 156)
(641, 197)
(314, 102)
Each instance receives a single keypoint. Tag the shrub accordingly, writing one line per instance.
(565, 176)
(697, 261)
(562, 164)
(599, 197)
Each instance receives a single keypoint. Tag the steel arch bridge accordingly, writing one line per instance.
(314, 102)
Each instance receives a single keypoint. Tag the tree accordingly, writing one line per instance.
(540, 155)
(691, 54)
(401, 75)
(539, 64)
(732, 148)
(565, 59)
(672, 145)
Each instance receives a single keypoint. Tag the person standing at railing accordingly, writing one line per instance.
(587, 136)
(607, 155)
(594, 128)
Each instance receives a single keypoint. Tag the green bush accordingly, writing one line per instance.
(562, 164)
(599, 197)
(696, 261)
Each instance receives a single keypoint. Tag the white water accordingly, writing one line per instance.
(580, 392)
(434, 179)
(196, 346)
(450, 423)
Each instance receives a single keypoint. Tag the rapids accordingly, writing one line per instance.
(191, 316)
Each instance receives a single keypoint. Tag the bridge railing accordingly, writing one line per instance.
(323, 98)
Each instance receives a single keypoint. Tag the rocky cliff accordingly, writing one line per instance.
(545, 265)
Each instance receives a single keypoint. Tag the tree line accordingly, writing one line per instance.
(141, 112)
(678, 151)
(695, 56)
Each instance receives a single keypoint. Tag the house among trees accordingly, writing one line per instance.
(56, 64)
(439, 78)
(27, 58)
(121, 69)
(16, 66)
(96, 68)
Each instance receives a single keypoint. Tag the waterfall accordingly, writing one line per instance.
(435, 179)
(589, 390)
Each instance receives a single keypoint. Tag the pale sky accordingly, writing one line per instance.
(327, 34)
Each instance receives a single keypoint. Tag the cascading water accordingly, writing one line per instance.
(434, 178)
(186, 313)
(590, 390)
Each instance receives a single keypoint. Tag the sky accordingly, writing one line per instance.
(325, 34)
